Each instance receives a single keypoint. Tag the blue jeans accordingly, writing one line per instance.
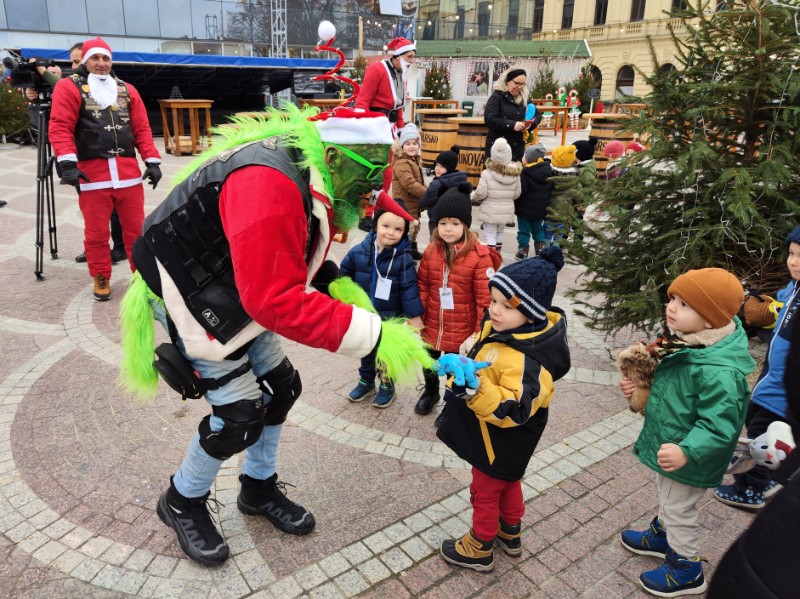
(198, 470)
(553, 232)
(527, 228)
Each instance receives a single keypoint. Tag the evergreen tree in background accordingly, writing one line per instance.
(720, 183)
(544, 83)
(14, 115)
(437, 83)
(583, 83)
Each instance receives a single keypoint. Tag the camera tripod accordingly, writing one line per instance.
(45, 195)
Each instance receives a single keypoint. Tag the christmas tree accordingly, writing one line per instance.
(13, 110)
(544, 82)
(720, 183)
(437, 83)
(583, 83)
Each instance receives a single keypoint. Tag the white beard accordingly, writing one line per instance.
(405, 67)
(103, 90)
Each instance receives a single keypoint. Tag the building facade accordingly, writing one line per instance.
(616, 31)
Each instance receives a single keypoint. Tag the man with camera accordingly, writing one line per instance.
(97, 123)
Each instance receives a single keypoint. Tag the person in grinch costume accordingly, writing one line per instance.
(224, 263)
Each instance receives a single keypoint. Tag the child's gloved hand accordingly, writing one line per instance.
(461, 367)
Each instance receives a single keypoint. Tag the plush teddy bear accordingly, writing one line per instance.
(639, 366)
(768, 449)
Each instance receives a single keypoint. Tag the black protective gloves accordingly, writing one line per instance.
(152, 173)
(70, 174)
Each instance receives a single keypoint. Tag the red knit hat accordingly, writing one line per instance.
(95, 46)
(400, 45)
(614, 149)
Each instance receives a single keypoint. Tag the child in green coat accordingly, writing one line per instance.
(693, 417)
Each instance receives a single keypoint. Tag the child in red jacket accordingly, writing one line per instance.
(453, 282)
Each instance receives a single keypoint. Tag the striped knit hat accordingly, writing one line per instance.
(529, 285)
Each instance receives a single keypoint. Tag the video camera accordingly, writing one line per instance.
(24, 73)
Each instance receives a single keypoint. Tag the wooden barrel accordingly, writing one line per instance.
(607, 127)
(438, 133)
(471, 141)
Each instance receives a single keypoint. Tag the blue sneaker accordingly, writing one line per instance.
(361, 391)
(749, 499)
(677, 576)
(652, 541)
(385, 396)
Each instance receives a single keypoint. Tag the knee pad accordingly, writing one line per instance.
(283, 384)
(243, 422)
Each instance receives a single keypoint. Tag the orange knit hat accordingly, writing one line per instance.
(714, 293)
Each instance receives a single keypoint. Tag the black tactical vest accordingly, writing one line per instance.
(103, 132)
(185, 234)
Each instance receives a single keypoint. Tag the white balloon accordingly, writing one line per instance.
(326, 30)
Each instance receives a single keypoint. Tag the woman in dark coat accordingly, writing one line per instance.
(504, 113)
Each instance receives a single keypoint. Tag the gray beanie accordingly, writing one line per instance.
(408, 133)
(534, 152)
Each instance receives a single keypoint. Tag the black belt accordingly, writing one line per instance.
(390, 113)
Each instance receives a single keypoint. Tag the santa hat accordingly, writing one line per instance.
(635, 146)
(349, 126)
(400, 45)
(95, 46)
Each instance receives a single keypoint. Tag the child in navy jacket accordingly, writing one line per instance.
(383, 267)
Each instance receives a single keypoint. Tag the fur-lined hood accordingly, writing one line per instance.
(397, 150)
(512, 169)
(500, 86)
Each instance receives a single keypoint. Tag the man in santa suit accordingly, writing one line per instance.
(97, 123)
(224, 263)
(384, 90)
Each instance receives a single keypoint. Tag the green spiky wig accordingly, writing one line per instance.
(290, 122)
(401, 350)
(137, 374)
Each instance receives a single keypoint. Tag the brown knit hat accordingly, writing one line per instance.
(714, 293)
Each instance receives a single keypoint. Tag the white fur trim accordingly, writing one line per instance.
(99, 50)
(364, 130)
(319, 210)
(362, 335)
(404, 49)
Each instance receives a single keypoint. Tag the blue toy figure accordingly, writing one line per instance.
(462, 368)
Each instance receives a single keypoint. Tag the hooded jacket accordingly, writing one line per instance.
(445, 330)
(535, 191)
(566, 191)
(698, 401)
(770, 392)
(408, 184)
(502, 112)
(394, 263)
(497, 189)
(497, 429)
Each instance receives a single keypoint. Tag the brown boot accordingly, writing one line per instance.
(102, 288)
(469, 552)
(537, 246)
(509, 538)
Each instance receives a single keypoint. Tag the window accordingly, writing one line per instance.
(597, 76)
(678, 4)
(459, 29)
(600, 12)
(538, 15)
(28, 15)
(637, 10)
(483, 18)
(513, 17)
(666, 68)
(625, 78)
(106, 16)
(566, 16)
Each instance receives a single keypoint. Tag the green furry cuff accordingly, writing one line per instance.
(347, 291)
(401, 350)
(137, 374)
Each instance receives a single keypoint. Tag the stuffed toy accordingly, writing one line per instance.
(638, 365)
(462, 368)
(768, 449)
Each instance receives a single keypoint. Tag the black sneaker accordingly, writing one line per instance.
(80, 258)
(509, 538)
(267, 498)
(192, 523)
(118, 255)
(469, 552)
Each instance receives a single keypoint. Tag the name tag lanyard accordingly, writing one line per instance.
(383, 285)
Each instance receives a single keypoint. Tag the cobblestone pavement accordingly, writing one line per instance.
(82, 465)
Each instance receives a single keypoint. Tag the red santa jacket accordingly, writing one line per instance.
(378, 91)
(103, 173)
(267, 234)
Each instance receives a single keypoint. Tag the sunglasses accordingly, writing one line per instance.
(375, 170)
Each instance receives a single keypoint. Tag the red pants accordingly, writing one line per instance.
(491, 500)
(96, 206)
